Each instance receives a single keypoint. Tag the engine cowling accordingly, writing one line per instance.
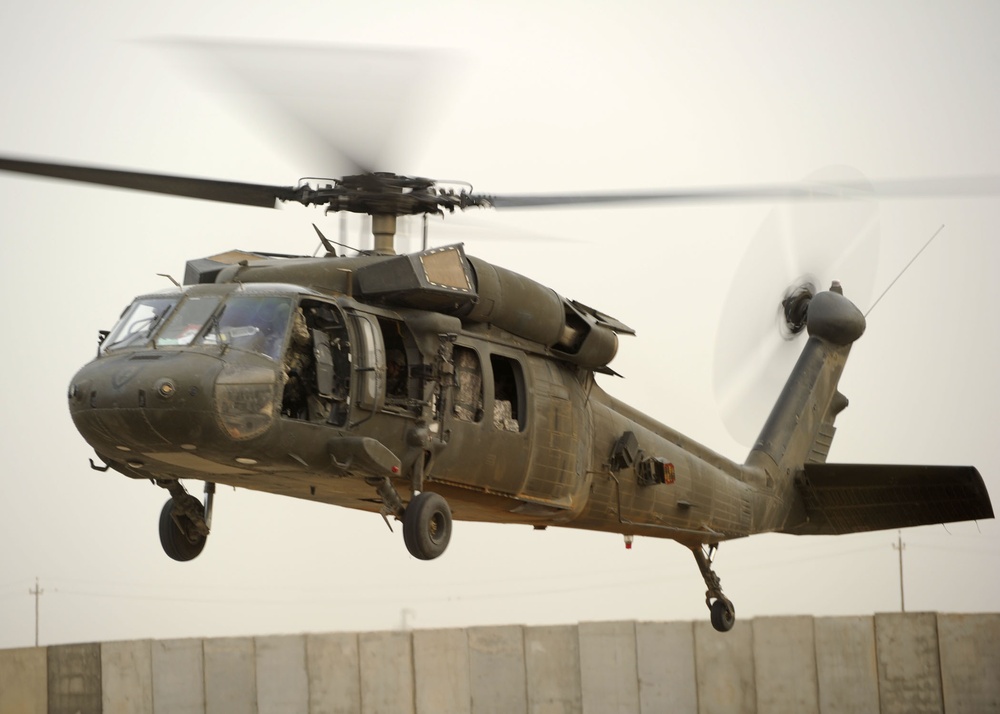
(530, 310)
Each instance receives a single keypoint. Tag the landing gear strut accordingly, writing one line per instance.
(426, 518)
(723, 612)
(184, 521)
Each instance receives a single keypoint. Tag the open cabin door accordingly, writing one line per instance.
(369, 362)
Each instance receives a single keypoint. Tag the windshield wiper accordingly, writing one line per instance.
(215, 327)
(157, 319)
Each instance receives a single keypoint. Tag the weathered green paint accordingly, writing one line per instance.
(480, 387)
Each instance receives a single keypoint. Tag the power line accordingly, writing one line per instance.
(37, 592)
(899, 545)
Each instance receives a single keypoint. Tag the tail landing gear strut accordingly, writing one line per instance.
(723, 612)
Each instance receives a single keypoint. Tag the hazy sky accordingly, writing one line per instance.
(535, 97)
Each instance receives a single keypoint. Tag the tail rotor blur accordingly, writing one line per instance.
(799, 250)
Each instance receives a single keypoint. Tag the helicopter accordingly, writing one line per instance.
(435, 386)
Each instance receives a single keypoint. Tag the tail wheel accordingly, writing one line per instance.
(427, 525)
(176, 543)
(723, 615)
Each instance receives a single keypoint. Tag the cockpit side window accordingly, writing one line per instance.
(138, 322)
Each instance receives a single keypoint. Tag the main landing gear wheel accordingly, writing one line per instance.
(427, 525)
(177, 543)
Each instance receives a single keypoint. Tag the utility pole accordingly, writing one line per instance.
(37, 592)
(899, 545)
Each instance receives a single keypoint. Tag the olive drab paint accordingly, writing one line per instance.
(434, 386)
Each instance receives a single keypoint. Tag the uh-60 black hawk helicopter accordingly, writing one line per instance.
(435, 385)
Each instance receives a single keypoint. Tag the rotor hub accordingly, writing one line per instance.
(795, 309)
(384, 194)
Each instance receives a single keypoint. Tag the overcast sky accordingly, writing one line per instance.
(532, 97)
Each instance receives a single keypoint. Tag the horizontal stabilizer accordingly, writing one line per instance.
(851, 498)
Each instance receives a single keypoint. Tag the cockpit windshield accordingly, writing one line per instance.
(187, 321)
(138, 322)
(257, 323)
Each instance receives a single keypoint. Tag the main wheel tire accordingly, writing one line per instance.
(427, 525)
(175, 542)
(723, 615)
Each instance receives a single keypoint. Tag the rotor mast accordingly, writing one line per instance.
(385, 196)
(384, 233)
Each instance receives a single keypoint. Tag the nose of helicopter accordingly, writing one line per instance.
(172, 402)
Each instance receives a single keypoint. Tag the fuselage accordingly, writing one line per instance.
(280, 388)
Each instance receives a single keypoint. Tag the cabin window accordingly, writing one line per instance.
(508, 394)
(469, 379)
(397, 371)
(370, 365)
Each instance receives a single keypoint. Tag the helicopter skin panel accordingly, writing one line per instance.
(852, 498)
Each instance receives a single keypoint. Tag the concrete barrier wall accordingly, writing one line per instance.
(915, 662)
(846, 672)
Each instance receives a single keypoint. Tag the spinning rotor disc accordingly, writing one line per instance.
(799, 250)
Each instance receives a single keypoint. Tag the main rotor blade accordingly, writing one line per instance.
(903, 188)
(247, 194)
(351, 109)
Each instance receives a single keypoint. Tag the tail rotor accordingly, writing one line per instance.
(800, 249)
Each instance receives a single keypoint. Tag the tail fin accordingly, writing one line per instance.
(790, 454)
(800, 427)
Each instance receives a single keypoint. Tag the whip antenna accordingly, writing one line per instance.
(905, 268)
